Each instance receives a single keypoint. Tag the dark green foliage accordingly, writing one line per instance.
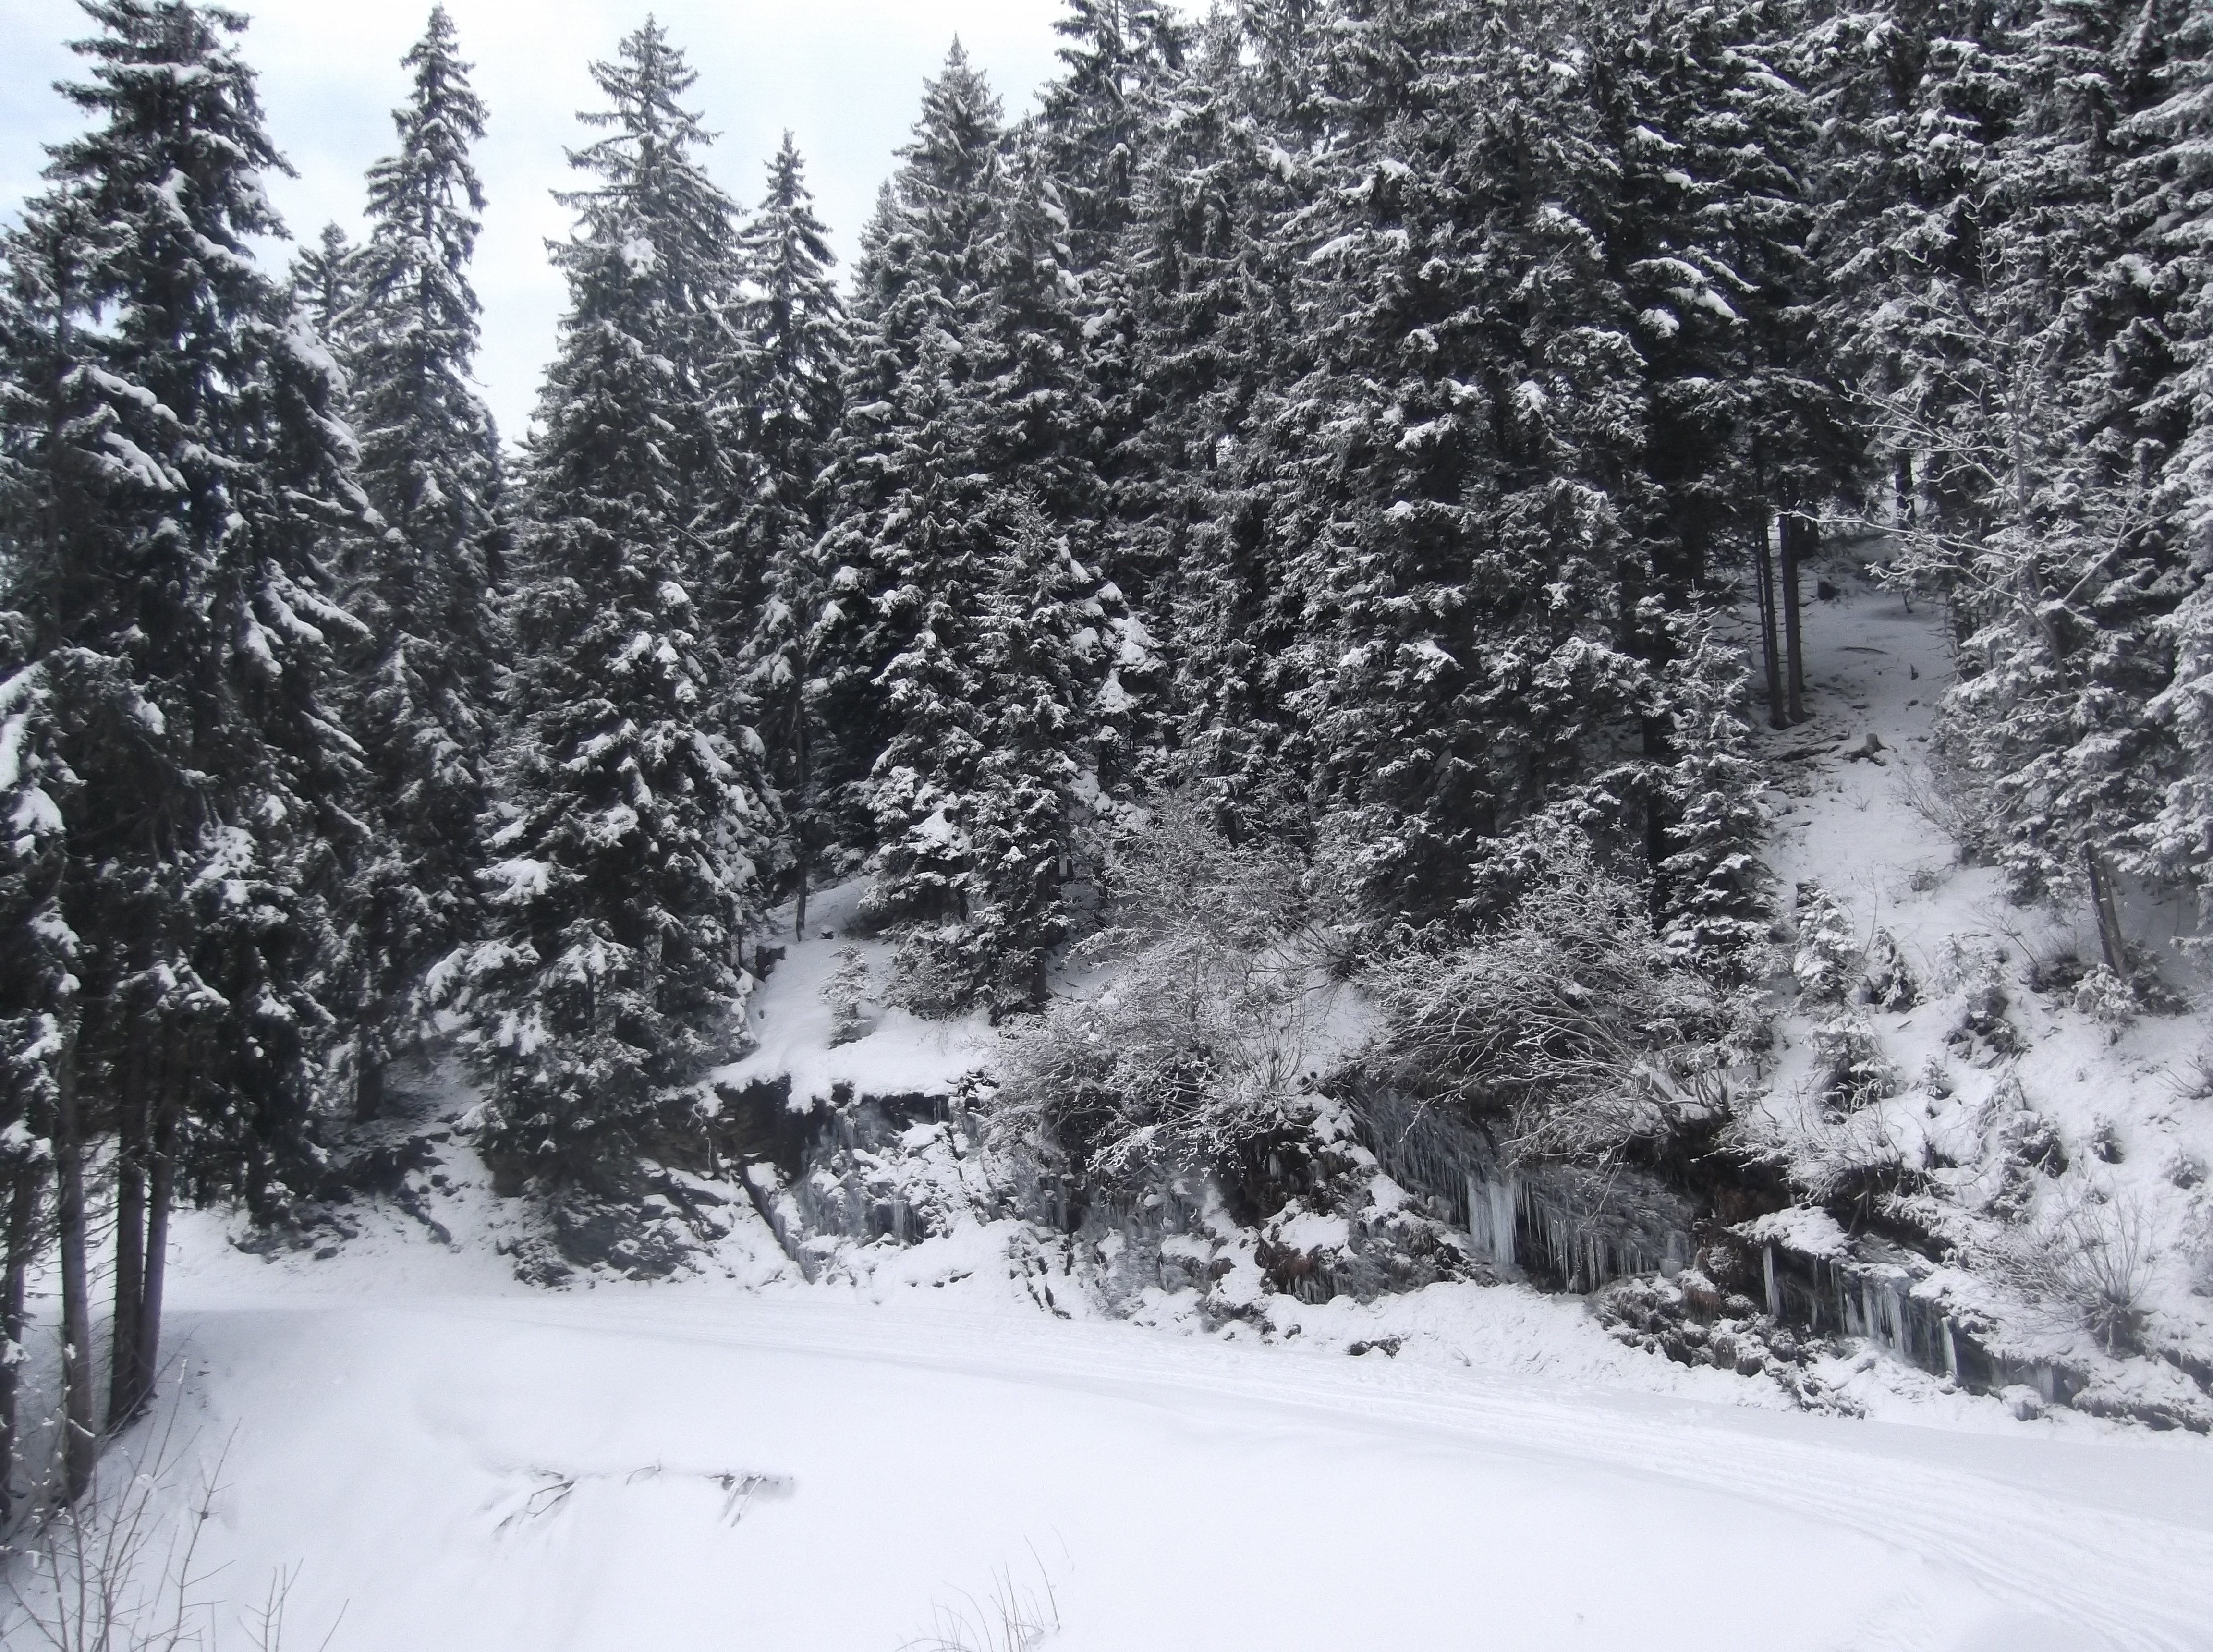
(637, 831)
(423, 692)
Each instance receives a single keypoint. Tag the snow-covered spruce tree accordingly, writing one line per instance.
(903, 490)
(2016, 340)
(1122, 64)
(974, 792)
(2169, 185)
(1451, 479)
(189, 477)
(422, 692)
(638, 831)
(1712, 884)
(1748, 419)
(793, 349)
(794, 343)
(325, 283)
(37, 987)
(1188, 326)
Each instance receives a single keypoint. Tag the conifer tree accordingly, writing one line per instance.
(793, 342)
(974, 793)
(904, 484)
(430, 464)
(326, 284)
(638, 831)
(1712, 904)
(37, 988)
(190, 478)
(1190, 324)
(1122, 64)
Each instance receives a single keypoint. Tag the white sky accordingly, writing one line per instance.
(845, 75)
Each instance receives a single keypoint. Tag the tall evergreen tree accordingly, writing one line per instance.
(1122, 64)
(793, 346)
(430, 463)
(638, 829)
(905, 484)
(326, 282)
(191, 475)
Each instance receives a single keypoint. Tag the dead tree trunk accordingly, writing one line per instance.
(2111, 942)
(1797, 537)
(1770, 654)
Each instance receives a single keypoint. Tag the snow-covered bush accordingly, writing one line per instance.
(1196, 1044)
(1849, 1058)
(1568, 1027)
(2107, 999)
(1890, 982)
(1952, 799)
(1830, 960)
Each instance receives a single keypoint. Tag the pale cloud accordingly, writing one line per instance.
(845, 75)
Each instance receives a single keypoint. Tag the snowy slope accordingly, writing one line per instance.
(790, 1021)
(879, 1458)
(2133, 1139)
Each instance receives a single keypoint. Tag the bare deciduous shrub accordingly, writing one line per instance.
(2090, 1265)
(1196, 1043)
(115, 1573)
(1951, 798)
(1567, 1026)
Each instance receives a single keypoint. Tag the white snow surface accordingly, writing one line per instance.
(899, 1053)
(447, 1460)
(2136, 1140)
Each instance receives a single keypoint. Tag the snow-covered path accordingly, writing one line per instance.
(411, 1458)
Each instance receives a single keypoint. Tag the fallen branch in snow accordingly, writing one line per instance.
(555, 1487)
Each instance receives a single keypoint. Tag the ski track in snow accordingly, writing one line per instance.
(2106, 1544)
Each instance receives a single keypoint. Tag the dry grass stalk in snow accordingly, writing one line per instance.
(1013, 1618)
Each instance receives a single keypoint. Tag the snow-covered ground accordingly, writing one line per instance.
(567, 1471)
(441, 1458)
(2120, 1095)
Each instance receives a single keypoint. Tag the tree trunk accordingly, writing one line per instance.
(130, 1224)
(162, 1177)
(80, 1439)
(1797, 537)
(21, 1239)
(798, 820)
(2111, 942)
(1659, 817)
(1770, 654)
(368, 1067)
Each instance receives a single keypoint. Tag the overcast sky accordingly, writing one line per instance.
(845, 75)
